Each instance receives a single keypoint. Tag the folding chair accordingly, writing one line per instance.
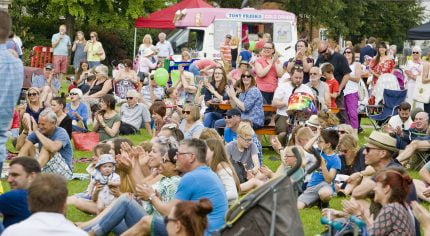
(392, 99)
(419, 160)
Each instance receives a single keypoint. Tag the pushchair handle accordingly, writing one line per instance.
(298, 162)
(317, 163)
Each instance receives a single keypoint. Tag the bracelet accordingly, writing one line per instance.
(151, 197)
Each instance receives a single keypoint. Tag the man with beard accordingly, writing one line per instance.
(280, 99)
(341, 71)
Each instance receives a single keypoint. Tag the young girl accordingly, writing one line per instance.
(104, 177)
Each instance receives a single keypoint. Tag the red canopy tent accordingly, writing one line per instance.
(163, 19)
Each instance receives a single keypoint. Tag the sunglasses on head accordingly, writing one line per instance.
(186, 112)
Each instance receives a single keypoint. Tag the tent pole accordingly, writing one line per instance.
(134, 47)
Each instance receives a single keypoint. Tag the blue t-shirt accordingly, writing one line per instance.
(39, 81)
(59, 134)
(62, 49)
(200, 183)
(246, 55)
(82, 110)
(332, 162)
(14, 206)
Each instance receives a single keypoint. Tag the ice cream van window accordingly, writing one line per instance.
(189, 38)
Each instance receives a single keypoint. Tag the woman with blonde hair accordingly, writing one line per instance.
(78, 48)
(218, 161)
(146, 44)
(209, 133)
(94, 50)
(191, 125)
(327, 120)
(234, 47)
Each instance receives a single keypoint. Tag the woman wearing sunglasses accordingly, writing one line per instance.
(250, 100)
(77, 110)
(191, 125)
(350, 93)
(29, 114)
(94, 50)
(413, 70)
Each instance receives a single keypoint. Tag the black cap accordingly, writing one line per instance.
(233, 112)
(228, 36)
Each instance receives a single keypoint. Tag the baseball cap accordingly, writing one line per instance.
(49, 66)
(233, 112)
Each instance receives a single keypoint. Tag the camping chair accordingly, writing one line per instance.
(419, 160)
(392, 99)
(270, 209)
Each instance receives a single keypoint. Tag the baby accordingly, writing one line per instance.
(104, 175)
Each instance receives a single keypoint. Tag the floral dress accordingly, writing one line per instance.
(382, 67)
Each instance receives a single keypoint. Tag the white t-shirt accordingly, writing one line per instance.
(395, 122)
(415, 68)
(283, 93)
(351, 86)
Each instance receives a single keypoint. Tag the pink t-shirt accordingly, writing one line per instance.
(268, 83)
(203, 63)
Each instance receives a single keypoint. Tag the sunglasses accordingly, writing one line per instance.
(370, 148)
(73, 94)
(129, 98)
(186, 112)
(166, 220)
(228, 117)
(341, 131)
(322, 52)
(298, 67)
(246, 76)
(347, 52)
(415, 53)
(313, 73)
(92, 36)
(32, 94)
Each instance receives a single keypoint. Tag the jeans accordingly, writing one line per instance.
(92, 64)
(194, 69)
(1, 169)
(210, 119)
(76, 128)
(125, 210)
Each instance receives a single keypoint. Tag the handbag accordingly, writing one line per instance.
(240, 170)
(422, 91)
(85, 141)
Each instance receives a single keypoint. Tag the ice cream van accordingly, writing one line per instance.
(203, 30)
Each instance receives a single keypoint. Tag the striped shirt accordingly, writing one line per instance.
(11, 77)
(225, 50)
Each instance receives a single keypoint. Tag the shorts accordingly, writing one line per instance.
(310, 195)
(158, 227)
(60, 64)
(57, 165)
(280, 123)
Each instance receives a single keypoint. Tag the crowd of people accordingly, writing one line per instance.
(202, 157)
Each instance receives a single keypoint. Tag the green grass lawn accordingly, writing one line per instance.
(310, 217)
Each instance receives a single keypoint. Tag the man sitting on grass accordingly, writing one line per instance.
(55, 150)
(320, 186)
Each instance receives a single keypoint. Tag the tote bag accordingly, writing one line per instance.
(85, 141)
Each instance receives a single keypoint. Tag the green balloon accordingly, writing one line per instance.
(161, 76)
(251, 45)
(175, 75)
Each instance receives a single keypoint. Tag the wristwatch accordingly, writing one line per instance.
(151, 197)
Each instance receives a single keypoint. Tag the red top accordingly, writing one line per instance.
(15, 120)
(203, 63)
(333, 87)
(260, 44)
(268, 83)
(382, 67)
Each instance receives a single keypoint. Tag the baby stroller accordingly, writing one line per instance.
(300, 107)
(270, 209)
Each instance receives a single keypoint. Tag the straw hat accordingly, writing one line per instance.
(313, 121)
(148, 52)
(382, 140)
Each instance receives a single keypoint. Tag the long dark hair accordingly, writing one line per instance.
(378, 55)
(352, 54)
(223, 83)
(253, 82)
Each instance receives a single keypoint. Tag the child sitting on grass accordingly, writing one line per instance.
(104, 177)
(320, 186)
(327, 70)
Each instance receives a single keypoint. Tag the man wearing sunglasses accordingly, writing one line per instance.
(12, 76)
(47, 84)
(341, 71)
(134, 115)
